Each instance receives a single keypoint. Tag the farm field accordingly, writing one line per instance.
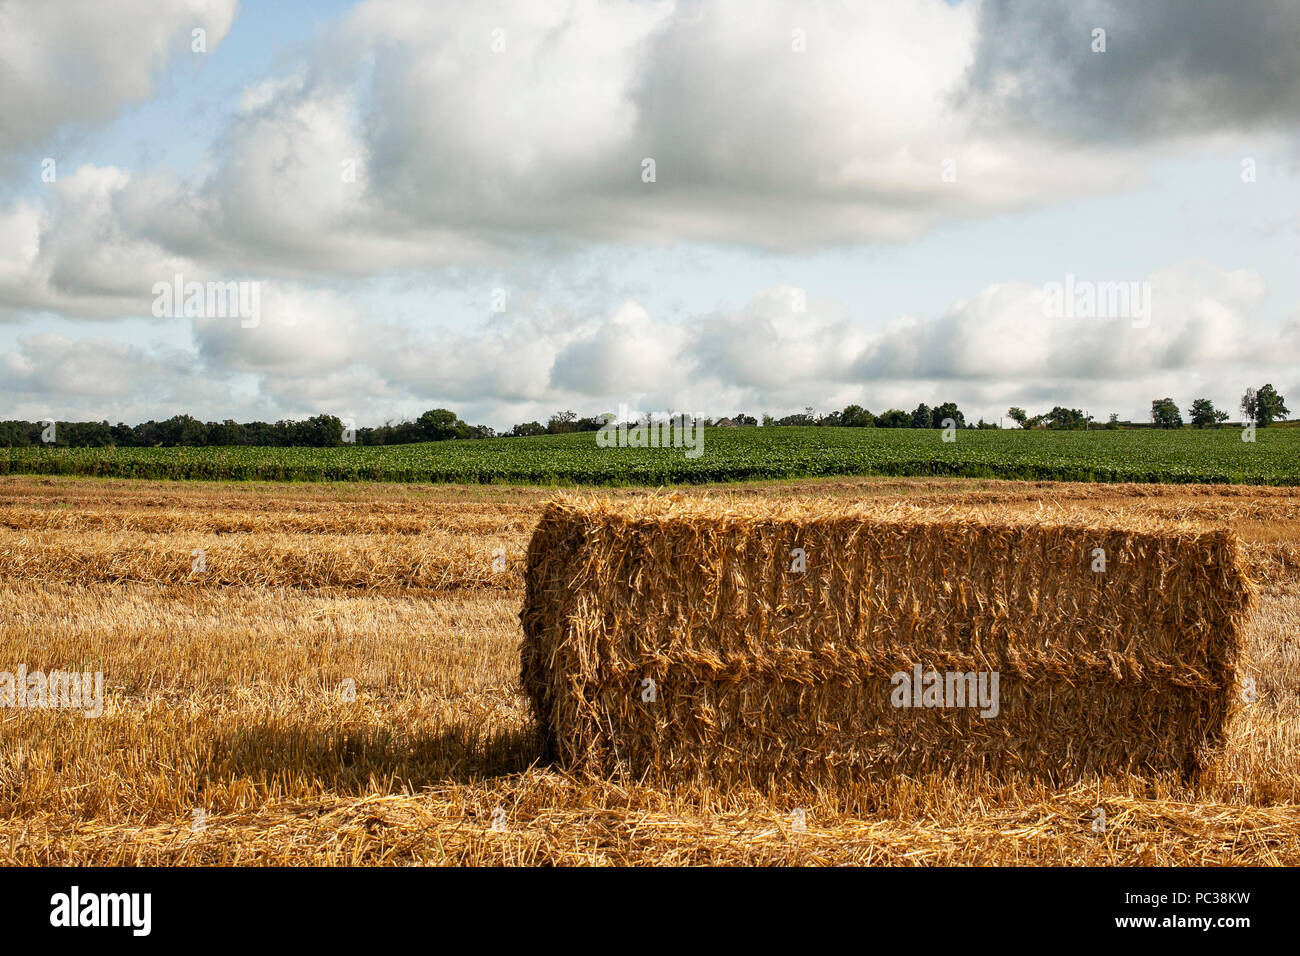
(229, 735)
(729, 454)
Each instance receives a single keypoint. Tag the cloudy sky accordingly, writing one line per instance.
(450, 204)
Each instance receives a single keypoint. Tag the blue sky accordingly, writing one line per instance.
(798, 247)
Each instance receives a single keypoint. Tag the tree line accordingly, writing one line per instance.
(1263, 406)
(438, 424)
(319, 431)
(852, 416)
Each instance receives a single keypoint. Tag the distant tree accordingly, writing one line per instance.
(1269, 407)
(947, 410)
(561, 422)
(1059, 418)
(831, 420)
(1112, 423)
(260, 433)
(799, 418)
(1062, 419)
(440, 424)
(527, 430)
(1251, 405)
(768, 421)
(1204, 413)
(404, 432)
(226, 433)
(123, 435)
(922, 416)
(1165, 413)
(322, 431)
(87, 434)
(742, 419)
(855, 416)
(182, 430)
(1263, 407)
(13, 433)
(894, 418)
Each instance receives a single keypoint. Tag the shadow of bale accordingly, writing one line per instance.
(349, 758)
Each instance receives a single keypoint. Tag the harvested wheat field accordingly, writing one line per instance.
(330, 674)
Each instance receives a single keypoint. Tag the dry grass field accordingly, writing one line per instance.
(231, 622)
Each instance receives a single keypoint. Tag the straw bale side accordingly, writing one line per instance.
(768, 675)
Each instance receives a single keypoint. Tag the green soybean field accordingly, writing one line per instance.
(727, 454)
